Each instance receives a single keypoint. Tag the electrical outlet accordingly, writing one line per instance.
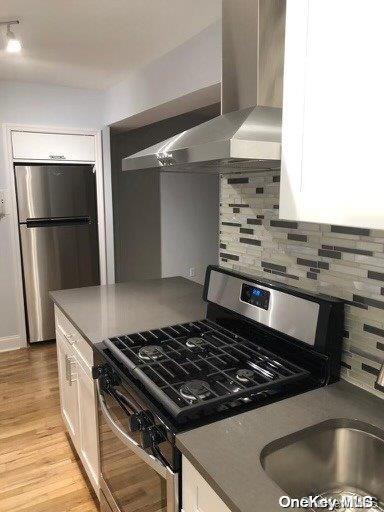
(192, 272)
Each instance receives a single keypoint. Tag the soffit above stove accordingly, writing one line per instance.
(244, 137)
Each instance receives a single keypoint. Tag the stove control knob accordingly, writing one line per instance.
(141, 420)
(106, 377)
(98, 370)
(153, 436)
(109, 380)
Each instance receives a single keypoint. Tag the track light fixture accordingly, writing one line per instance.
(13, 42)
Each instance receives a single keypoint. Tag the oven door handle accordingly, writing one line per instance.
(127, 440)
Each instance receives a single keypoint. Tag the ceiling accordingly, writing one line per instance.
(96, 43)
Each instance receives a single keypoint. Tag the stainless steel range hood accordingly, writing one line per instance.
(244, 136)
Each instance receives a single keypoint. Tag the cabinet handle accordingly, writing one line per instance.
(57, 157)
(66, 368)
(71, 376)
(70, 338)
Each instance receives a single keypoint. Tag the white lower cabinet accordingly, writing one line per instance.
(77, 395)
(198, 495)
(68, 387)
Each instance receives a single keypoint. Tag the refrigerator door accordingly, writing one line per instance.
(46, 191)
(56, 255)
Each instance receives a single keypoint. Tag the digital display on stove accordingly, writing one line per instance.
(255, 296)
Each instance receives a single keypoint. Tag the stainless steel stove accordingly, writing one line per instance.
(260, 342)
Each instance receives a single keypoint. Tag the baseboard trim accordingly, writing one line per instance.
(11, 343)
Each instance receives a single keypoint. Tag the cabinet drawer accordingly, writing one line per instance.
(72, 336)
(55, 147)
(198, 495)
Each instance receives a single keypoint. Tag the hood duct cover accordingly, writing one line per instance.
(248, 138)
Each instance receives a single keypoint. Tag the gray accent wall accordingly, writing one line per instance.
(163, 224)
(336, 260)
(189, 223)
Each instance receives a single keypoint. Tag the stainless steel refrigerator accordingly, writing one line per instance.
(58, 234)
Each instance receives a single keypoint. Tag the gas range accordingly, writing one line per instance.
(200, 366)
(260, 342)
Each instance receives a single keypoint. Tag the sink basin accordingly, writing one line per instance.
(335, 458)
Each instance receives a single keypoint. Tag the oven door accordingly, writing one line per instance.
(132, 479)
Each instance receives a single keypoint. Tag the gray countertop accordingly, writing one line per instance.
(99, 312)
(227, 453)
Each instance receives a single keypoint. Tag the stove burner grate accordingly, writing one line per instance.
(226, 366)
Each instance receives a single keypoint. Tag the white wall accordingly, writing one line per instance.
(191, 66)
(108, 208)
(36, 104)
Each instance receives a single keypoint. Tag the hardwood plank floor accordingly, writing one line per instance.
(39, 472)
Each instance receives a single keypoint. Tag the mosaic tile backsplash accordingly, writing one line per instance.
(337, 260)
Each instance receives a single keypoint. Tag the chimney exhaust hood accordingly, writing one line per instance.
(247, 135)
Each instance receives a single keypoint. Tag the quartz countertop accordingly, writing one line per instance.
(227, 453)
(99, 312)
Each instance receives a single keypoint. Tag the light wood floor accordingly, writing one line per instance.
(38, 469)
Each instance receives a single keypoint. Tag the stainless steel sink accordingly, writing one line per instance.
(335, 458)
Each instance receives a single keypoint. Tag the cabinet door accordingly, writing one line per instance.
(68, 388)
(88, 438)
(332, 116)
(198, 495)
(55, 147)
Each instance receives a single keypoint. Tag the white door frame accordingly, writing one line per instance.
(12, 209)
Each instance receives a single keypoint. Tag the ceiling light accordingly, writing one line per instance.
(13, 43)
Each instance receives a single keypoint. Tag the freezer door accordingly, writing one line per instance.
(45, 191)
(55, 257)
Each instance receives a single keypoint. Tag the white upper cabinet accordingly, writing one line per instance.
(54, 147)
(333, 114)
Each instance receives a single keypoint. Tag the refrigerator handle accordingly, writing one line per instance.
(57, 221)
